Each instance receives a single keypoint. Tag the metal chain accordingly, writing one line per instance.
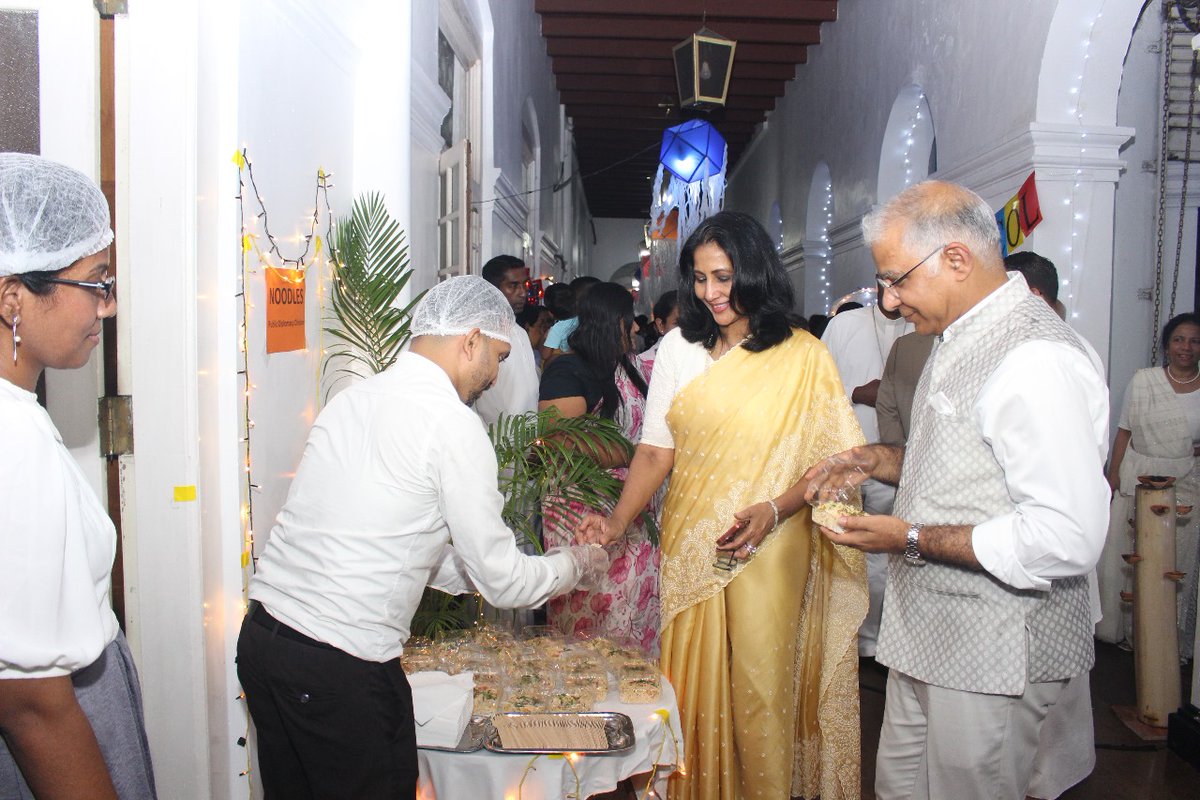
(1187, 163)
(1161, 213)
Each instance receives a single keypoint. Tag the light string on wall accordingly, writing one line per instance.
(827, 251)
(249, 241)
(1076, 252)
(909, 137)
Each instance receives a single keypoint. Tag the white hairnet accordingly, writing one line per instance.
(50, 215)
(456, 306)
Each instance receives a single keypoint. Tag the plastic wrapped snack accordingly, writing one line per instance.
(827, 514)
(419, 661)
(592, 685)
(539, 681)
(487, 698)
(637, 668)
(568, 700)
(523, 702)
(639, 689)
(845, 501)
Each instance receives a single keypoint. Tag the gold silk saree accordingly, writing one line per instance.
(763, 658)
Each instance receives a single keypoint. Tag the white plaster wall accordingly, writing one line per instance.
(68, 62)
(978, 63)
(1136, 201)
(522, 80)
(617, 243)
(304, 70)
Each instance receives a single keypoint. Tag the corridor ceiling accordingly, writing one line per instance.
(613, 66)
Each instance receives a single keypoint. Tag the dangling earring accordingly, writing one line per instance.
(16, 338)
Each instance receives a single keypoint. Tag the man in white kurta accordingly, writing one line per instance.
(859, 341)
(395, 468)
(1001, 510)
(516, 388)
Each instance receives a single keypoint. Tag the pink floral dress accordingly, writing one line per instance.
(624, 607)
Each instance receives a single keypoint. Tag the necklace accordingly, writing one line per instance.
(1180, 381)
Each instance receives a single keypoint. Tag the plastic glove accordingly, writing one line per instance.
(591, 564)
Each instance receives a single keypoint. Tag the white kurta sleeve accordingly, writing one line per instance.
(485, 551)
(1044, 413)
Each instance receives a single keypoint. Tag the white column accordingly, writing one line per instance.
(166, 593)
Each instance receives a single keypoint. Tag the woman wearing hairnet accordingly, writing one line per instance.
(70, 708)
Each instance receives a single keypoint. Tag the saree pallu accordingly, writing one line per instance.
(763, 658)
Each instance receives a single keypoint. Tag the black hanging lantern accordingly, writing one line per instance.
(703, 65)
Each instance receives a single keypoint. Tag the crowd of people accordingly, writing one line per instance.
(970, 419)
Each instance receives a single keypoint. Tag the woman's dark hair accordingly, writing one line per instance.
(761, 289)
(665, 304)
(560, 300)
(602, 340)
(1187, 318)
(39, 283)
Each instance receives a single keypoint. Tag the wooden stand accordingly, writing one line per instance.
(1155, 642)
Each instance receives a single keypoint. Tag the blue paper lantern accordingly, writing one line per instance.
(692, 151)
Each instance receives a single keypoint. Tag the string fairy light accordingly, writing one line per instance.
(908, 138)
(249, 242)
(827, 250)
(1073, 248)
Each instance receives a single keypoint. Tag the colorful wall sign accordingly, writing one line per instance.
(285, 309)
(1020, 215)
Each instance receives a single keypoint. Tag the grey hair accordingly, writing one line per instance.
(935, 213)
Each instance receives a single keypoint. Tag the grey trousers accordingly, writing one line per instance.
(939, 743)
(111, 699)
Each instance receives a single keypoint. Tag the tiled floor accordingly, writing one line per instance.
(1127, 768)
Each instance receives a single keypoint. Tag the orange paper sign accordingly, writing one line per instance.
(285, 310)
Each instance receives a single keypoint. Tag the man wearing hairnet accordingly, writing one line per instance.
(393, 468)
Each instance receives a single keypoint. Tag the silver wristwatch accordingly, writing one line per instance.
(911, 552)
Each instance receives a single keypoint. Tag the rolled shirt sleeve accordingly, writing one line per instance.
(1044, 413)
(483, 554)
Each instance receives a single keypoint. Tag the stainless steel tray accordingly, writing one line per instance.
(472, 738)
(618, 730)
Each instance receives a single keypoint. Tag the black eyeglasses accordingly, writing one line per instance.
(885, 284)
(104, 287)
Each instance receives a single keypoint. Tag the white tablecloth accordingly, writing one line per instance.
(484, 775)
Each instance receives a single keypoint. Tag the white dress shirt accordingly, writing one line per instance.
(1045, 398)
(56, 550)
(516, 388)
(394, 467)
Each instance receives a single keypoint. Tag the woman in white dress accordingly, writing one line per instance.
(1158, 434)
(70, 708)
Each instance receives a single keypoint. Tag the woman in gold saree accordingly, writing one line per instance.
(759, 611)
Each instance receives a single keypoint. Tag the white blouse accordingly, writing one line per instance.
(676, 364)
(56, 549)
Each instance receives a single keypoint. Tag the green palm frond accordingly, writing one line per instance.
(545, 457)
(371, 269)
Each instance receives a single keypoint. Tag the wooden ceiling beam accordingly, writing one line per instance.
(590, 65)
(573, 98)
(809, 10)
(660, 85)
(632, 111)
(677, 29)
(656, 48)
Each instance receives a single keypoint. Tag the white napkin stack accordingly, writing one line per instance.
(442, 706)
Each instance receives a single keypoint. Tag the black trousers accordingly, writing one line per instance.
(329, 725)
